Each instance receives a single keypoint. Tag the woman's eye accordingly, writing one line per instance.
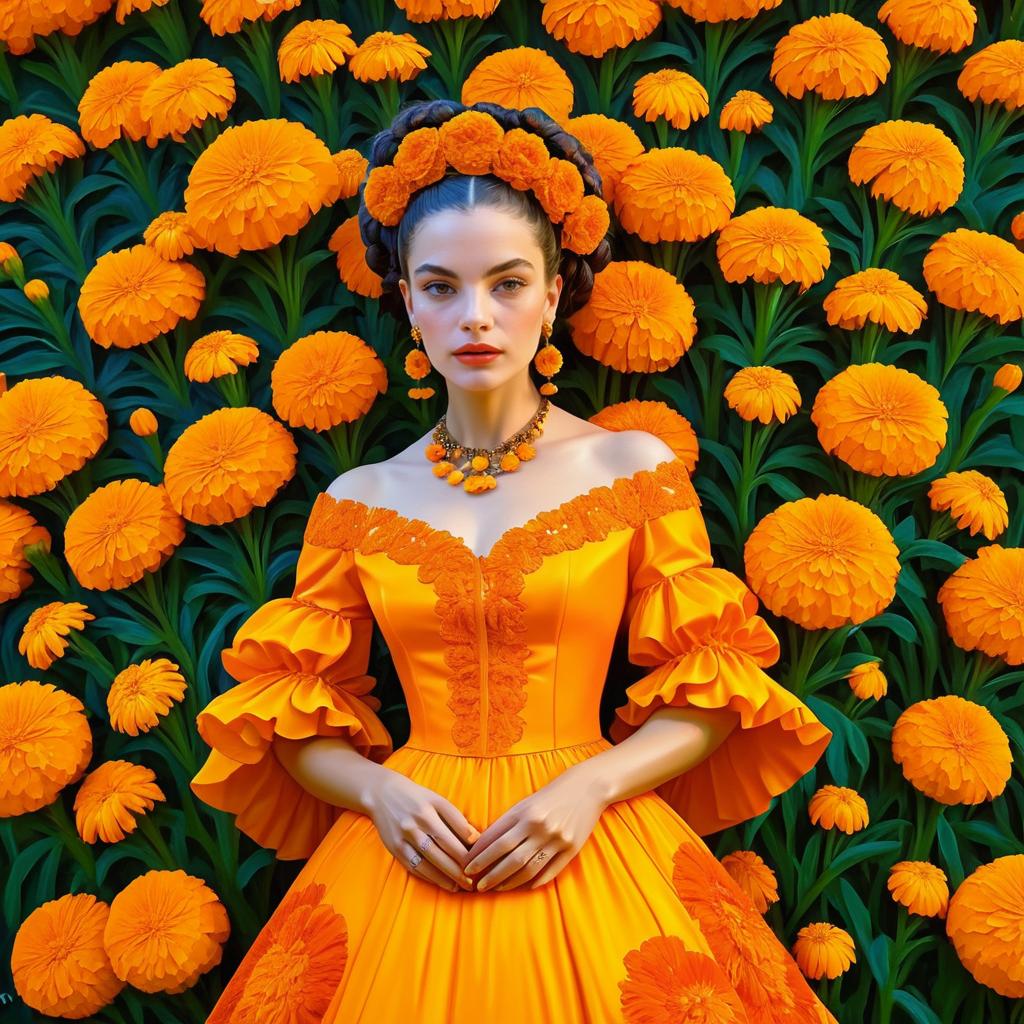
(435, 284)
(515, 280)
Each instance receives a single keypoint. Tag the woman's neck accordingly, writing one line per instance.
(485, 419)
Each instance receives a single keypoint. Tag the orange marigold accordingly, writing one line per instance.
(120, 532)
(823, 950)
(219, 354)
(612, 144)
(822, 562)
(1017, 226)
(131, 296)
(952, 750)
(762, 393)
(36, 290)
(639, 319)
(753, 876)
(126, 7)
(470, 141)
(674, 194)
(521, 77)
(184, 96)
(977, 272)
(49, 427)
(561, 190)
(654, 417)
(672, 94)
(142, 422)
(109, 798)
(386, 194)
(436, 10)
(18, 530)
(44, 636)
(109, 107)
(387, 55)
(878, 295)
(973, 499)
(419, 159)
(585, 227)
(170, 235)
(920, 887)
(47, 745)
(522, 158)
(773, 243)
(915, 165)
(257, 182)
(995, 74)
(142, 694)
(228, 16)
(833, 54)
(311, 937)
(662, 971)
(351, 166)
(315, 47)
(741, 942)
(945, 26)
(723, 10)
(838, 807)
(593, 27)
(867, 681)
(985, 922)
(326, 378)
(165, 931)
(982, 603)
(31, 145)
(58, 962)
(881, 420)
(1008, 377)
(747, 111)
(228, 463)
(353, 269)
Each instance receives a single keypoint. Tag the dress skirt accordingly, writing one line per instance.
(644, 924)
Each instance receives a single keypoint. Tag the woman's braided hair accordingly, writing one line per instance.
(386, 247)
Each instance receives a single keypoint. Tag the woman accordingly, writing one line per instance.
(509, 863)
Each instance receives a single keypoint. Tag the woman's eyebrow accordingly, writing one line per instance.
(433, 268)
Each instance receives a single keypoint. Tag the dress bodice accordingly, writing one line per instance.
(506, 654)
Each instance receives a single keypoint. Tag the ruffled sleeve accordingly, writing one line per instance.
(698, 629)
(300, 663)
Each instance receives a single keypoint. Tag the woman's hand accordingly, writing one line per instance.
(407, 815)
(535, 838)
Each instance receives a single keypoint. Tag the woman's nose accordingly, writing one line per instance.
(477, 312)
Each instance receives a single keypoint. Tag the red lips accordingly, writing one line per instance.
(476, 348)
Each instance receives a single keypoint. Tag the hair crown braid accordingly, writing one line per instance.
(387, 247)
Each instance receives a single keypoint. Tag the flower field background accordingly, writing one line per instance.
(815, 297)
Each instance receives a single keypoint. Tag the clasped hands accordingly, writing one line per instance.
(554, 821)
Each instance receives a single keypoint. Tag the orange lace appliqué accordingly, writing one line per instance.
(450, 567)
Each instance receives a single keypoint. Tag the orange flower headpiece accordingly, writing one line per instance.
(473, 142)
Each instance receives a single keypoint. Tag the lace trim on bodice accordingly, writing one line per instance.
(448, 565)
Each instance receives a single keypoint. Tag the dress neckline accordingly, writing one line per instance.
(540, 521)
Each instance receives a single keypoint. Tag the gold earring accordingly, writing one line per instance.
(548, 361)
(418, 365)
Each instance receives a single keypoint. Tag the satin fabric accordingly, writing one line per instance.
(503, 659)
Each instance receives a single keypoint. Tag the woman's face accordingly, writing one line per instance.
(478, 277)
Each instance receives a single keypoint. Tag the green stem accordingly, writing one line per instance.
(766, 306)
(78, 849)
(982, 669)
(234, 388)
(737, 140)
(323, 86)
(891, 220)
(127, 157)
(262, 57)
(606, 82)
(817, 115)
(152, 833)
(42, 196)
(927, 823)
(170, 27)
(960, 331)
(973, 426)
(252, 545)
(71, 69)
(804, 648)
(871, 340)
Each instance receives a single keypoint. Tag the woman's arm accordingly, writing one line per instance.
(671, 741)
(333, 770)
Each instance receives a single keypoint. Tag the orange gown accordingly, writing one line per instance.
(502, 659)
